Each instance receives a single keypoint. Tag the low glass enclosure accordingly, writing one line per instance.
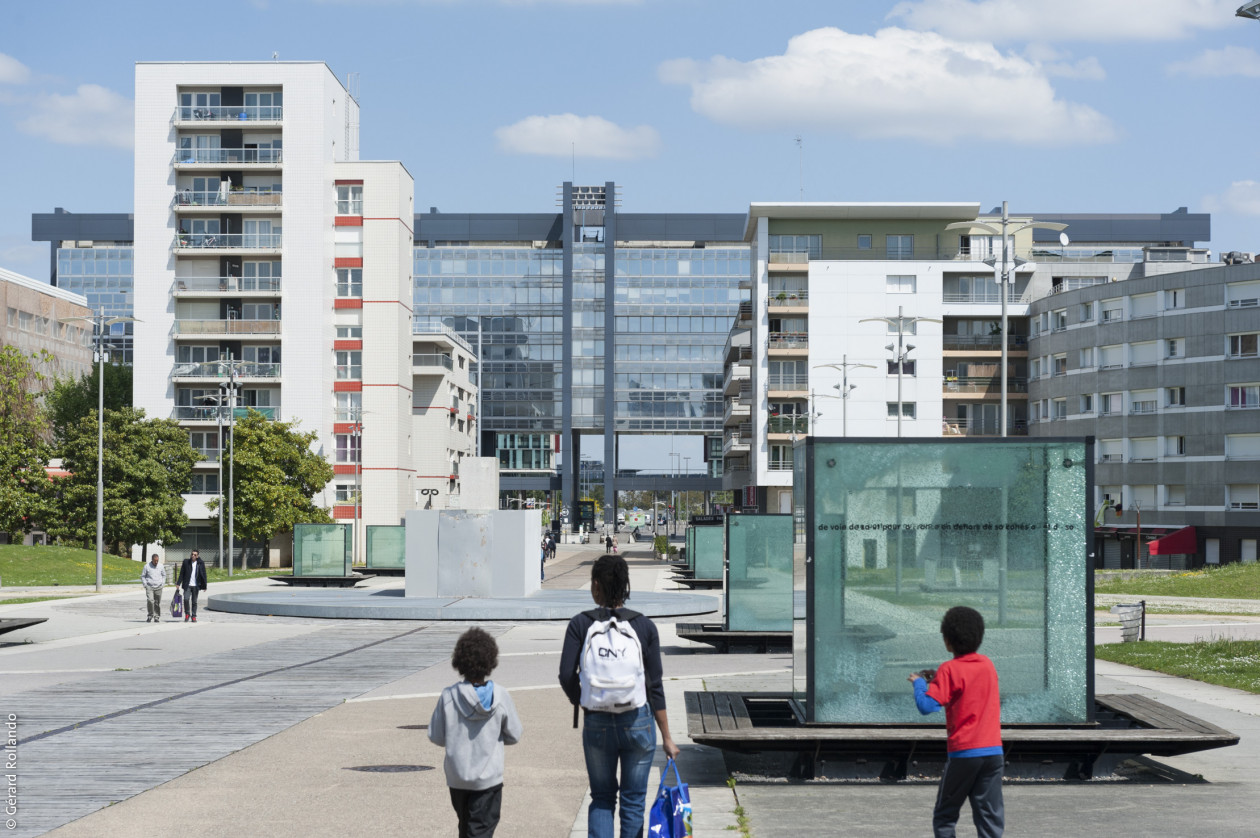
(321, 550)
(898, 531)
(758, 573)
(690, 546)
(386, 546)
(708, 544)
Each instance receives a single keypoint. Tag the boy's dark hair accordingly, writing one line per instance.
(963, 627)
(475, 656)
(613, 576)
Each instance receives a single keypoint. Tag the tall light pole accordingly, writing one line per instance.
(356, 434)
(844, 387)
(99, 322)
(231, 388)
(903, 350)
(1004, 275)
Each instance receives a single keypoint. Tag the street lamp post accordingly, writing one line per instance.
(1004, 277)
(903, 349)
(845, 388)
(99, 322)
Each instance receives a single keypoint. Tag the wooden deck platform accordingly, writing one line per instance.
(1127, 724)
(15, 623)
(715, 635)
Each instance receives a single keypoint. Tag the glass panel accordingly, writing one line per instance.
(386, 546)
(691, 548)
(759, 573)
(708, 546)
(321, 549)
(901, 531)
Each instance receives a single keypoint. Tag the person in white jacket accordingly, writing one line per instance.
(153, 578)
(473, 720)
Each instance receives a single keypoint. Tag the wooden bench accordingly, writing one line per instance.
(721, 639)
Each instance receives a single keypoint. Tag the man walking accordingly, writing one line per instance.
(192, 578)
(153, 578)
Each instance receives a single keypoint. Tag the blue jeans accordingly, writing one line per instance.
(609, 739)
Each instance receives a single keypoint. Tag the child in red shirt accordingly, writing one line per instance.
(967, 688)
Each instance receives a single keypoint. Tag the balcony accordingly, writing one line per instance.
(744, 315)
(229, 242)
(983, 298)
(983, 343)
(431, 363)
(207, 455)
(737, 411)
(788, 383)
(779, 464)
(982, 427)
(219, 371)
(736, 376)
(225, 114)
(788, 425)
(186, 199)
(186, 328)
(209, 413)
(202, 158)
(789, 341)
(214, 286)
(737, 441)
(789, 299)
(983, 386)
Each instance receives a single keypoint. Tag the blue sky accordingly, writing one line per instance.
(690, 105)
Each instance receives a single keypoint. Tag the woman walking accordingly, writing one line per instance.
(623, 736)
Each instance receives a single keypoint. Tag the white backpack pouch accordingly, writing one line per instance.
(611, 674)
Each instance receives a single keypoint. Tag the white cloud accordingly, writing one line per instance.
(893, 84)
(92, 115)
(12, 71)
(560, 135)
(1058, 63)
(1066, 20)
(1227, 61)
(1242, 196)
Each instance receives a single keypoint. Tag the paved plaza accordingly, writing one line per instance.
(277, 726)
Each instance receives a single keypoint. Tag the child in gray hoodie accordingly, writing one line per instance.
(473, 720)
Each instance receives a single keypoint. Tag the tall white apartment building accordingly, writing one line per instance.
(264, 246)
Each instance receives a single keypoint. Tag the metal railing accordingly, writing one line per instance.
(984, 385)
(207, 455)
(787, 382)
(209, 413)
(744, 312)
(788, 425)
(789, 340)
(238, 241)
(231, 156)
(779, 464)
(242, 198)
(227, 327)
(236, 284)
(982, 342)
(428, 359)
(217, 369)
(798, 297)
(982, 427)
(233, 113)
(994, 298)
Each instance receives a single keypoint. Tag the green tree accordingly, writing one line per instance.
(276, 475)
(71, 399)
(147, 467)
(23, 447)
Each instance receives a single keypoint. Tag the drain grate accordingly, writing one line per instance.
(389, 769)
(413, 727)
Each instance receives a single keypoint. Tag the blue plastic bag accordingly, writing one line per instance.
(670, 816)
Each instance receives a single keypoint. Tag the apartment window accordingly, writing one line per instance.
(1243, 294)
(907, 367)
(1142, 305)
(1175, 396)
(864, 241)
(1242, 346)
(1034, 368)
(1175, 298)
(1087, 358)
(349, 365)
(1111, 451)
(899, 284)
(1058, 409)
(204, 484)
(1172, 348)
(26, 320)
(1175, 495)
(1112, 312)
(1087, 403)
(1058, 320)
(349, 406)
(1045, 321)
(780, 458)
(349, 200)
(1110, 404)
(1242, 446)
(1087, 312)
(1243, 396)
(13, 317)
(347, 448)
(186, 354)
(1060, 364)
(1175, 446)
(1144, 449)
(907, 410)
(345, 492)
(1144, 401)
(349, 282)
(796, 248)
(1244, 495)
(349, 332)
(1143, 354)
(1111, 357)
(899, 247)
(205, 443)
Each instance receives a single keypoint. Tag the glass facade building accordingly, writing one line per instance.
(104, 275)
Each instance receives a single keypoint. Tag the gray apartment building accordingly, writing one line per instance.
(1163, 371)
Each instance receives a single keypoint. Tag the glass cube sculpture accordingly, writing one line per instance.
(321, 549)
(759, 573)
(386, 546)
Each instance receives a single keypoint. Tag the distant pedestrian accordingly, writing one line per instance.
(153, 578)
(609, 544)
(192, 578)
(967, 689)
(473, 720)
(551, 545)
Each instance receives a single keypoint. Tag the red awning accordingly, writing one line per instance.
(1182, 541)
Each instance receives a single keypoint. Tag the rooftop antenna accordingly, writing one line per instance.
(800, 162)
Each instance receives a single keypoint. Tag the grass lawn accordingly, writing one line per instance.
(1231, 581)
(22, 566)
(1226, 663)
(27, 599)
